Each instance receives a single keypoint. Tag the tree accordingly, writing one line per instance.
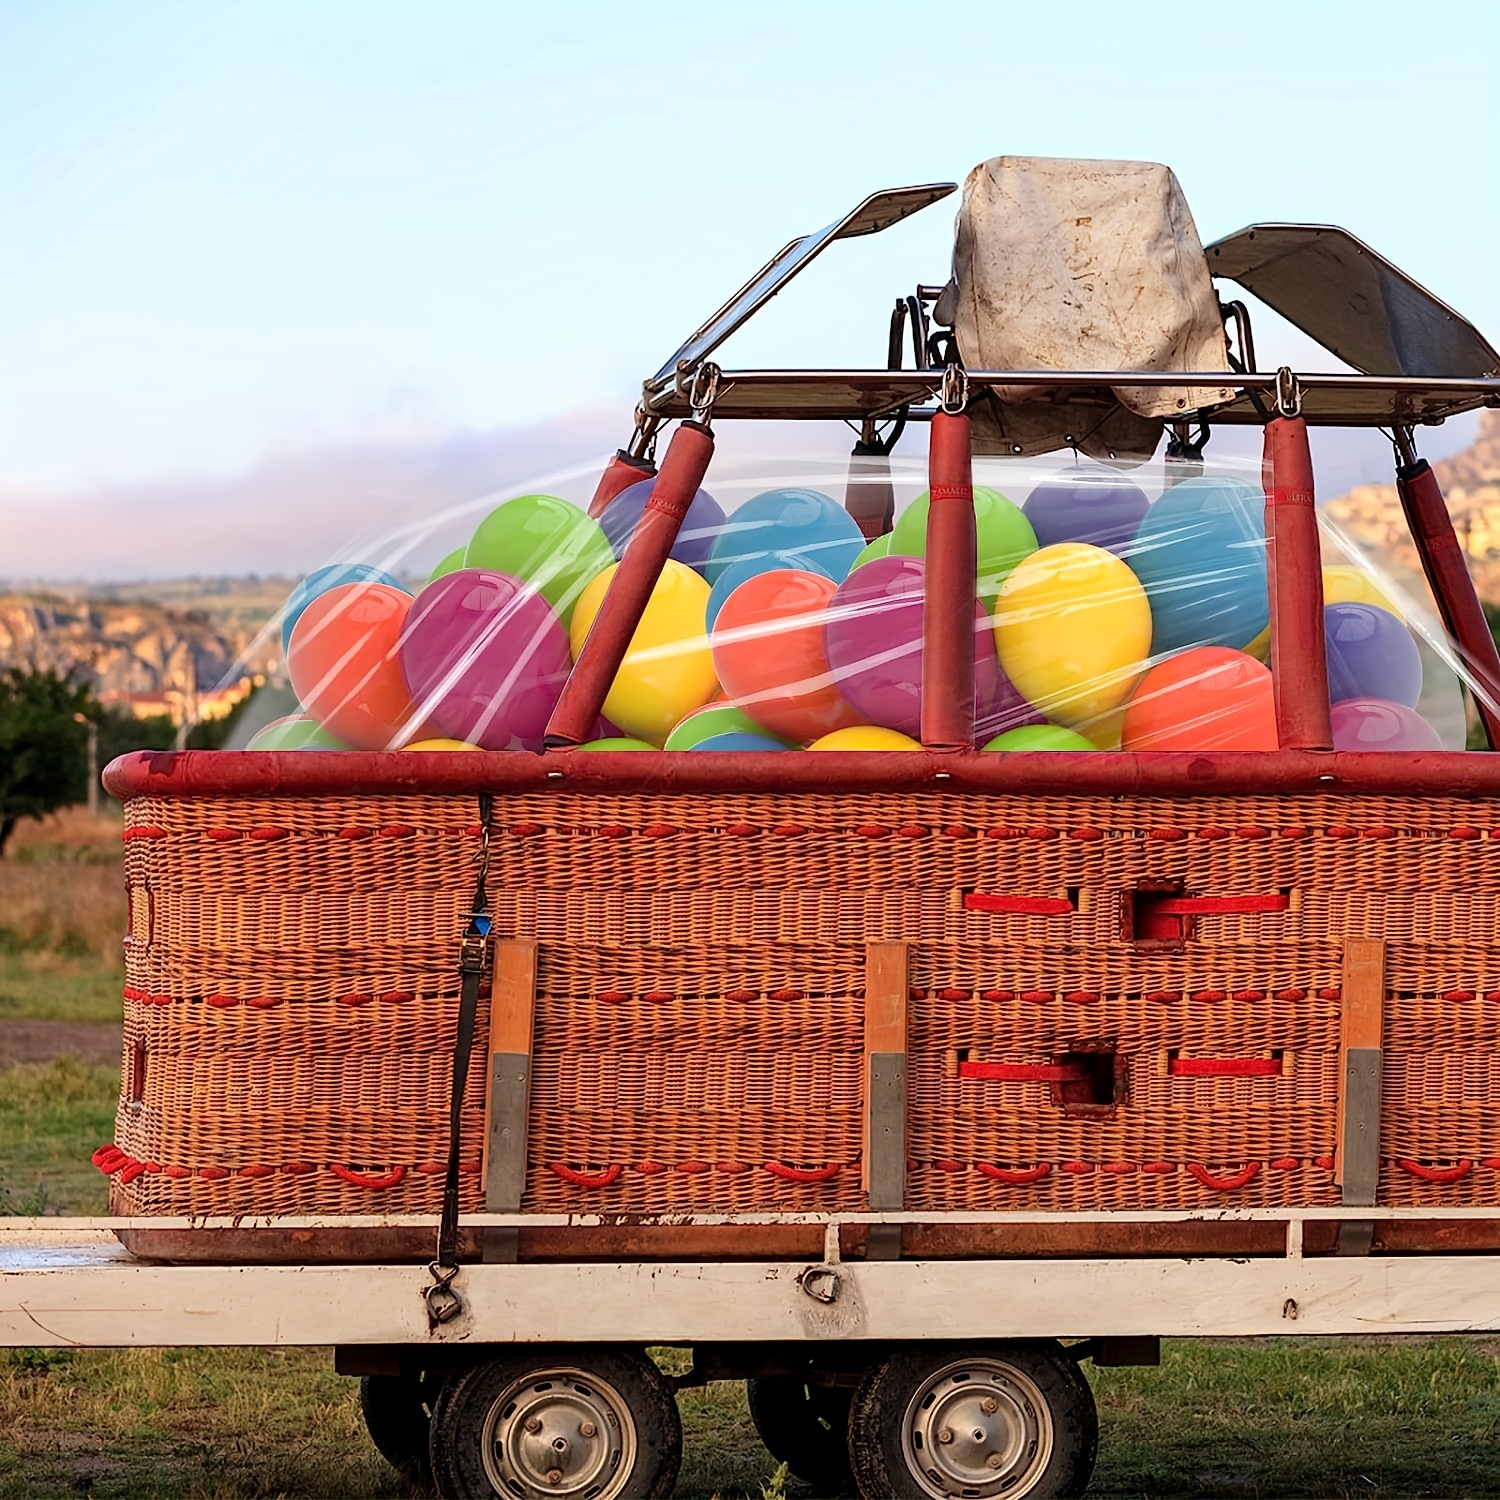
(43, 745)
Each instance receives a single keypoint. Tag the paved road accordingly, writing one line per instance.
(41, 1041)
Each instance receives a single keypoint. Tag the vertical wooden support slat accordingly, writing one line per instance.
(1362, 1022)
(886, 992)
(512, 1011)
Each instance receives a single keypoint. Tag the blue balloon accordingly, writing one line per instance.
(319, 581)
(739, 741)
(700, 526)
(1371, 654)
(804, 522)
(1200, 554)
(748, 567)
(1087, 503)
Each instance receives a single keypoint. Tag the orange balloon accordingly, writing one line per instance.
(343, 664)
(1207, 698)
(769, 655)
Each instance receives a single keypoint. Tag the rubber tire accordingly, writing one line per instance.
(880, 1469)
(397, 1410)
(806, 1427)
(465, 1400)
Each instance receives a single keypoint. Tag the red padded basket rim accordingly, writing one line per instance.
(309, 773)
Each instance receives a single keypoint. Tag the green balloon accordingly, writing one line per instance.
(717, 718)
(1040, 737)
(297, 732)
(450, 564)
(1005, 537)
(880, 547)
(616, 744)
(542, 541)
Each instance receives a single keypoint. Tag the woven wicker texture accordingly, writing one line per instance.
(292, 997)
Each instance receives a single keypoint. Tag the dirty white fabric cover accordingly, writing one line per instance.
(1081, 265)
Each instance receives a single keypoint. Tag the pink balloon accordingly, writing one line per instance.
(874, 639)
(485, 659)
(1378, 724)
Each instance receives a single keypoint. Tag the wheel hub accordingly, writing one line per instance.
(559, 1433)
(977, 1429)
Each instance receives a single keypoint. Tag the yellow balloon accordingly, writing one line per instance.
(668, 670)
(865, 737)
(440, 745)
(1073, 629)
(1343, 583)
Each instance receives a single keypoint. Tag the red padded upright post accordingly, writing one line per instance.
(948, 604)
(624, 603)
(1299, 663)
(1452, 587)
(619, 474)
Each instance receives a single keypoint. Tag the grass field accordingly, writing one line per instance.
(1293, 1418)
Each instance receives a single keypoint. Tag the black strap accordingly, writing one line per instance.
(442, 1301)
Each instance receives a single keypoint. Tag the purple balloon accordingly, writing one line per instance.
(699, 526)
(874, 639)
(1371, 654)
(1377, 724)
(1087, 503)
(485, 659)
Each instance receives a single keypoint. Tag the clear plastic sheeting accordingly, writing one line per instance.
(1112, 610)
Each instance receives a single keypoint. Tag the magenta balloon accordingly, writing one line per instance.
(874, 639)
(485, 659)
(1378, 724)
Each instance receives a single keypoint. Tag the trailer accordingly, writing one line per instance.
(898, 1084)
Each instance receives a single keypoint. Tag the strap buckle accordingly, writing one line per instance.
(443, 1303)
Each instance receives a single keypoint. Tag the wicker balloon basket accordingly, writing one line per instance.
(1105, 1001)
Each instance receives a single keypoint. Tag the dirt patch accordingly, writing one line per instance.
(42, 1041)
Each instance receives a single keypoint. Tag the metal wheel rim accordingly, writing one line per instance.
(977, 1428)
(570, 1407)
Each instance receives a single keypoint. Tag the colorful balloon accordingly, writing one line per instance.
(617, 742)
(319, 581)
(1040, 737)
(1371, 654)
(485, 658)
(1073, 630)
(440, 744)
(343, 663)
(749, 567)
(769, 650)
(1200, 554)
(1004, 537)
(1087, 503)
(450, 564)
(865, 737)
(695, 538)
(873, 635)
(294, 732)
(545, 542)
(1343, 583)
(880, 547)
(1205, 698)
(738, 741)
(1375, 724)
(717, 718)
(804, 522)
(668, 670)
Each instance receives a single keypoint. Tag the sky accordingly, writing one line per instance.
(450, 237)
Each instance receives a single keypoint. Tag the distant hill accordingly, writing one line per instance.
(1371, 514)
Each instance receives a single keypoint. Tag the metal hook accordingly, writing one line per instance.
(704, 391)
(1288, 393)
(954, 391)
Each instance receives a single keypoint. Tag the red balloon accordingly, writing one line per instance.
(343, 664)
(1207, 698)
(770, 655)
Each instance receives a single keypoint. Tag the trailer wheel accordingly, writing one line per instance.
(600, 1424)
(806, 1427)
(974, 1421)
(398, 1414)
